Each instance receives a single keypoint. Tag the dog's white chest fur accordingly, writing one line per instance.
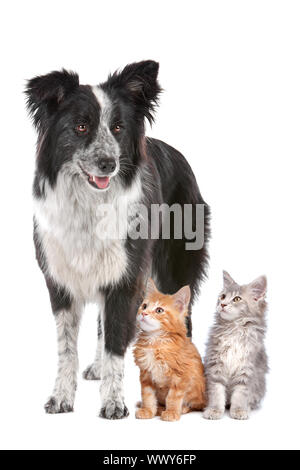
(74, 226)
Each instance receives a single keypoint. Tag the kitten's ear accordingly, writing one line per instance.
(182, 299)
(258, 287)
(44, 93)
(139, 82)
(150, 287)
(227, 279)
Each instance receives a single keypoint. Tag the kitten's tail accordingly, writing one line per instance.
(160, 408)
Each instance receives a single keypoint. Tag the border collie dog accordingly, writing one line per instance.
(92, 151)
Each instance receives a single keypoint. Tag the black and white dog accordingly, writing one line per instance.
(92, 151)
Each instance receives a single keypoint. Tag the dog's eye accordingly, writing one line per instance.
(222, 296)
(159, 310)
(144, 306)
(237, 298)
(116, 129)
(81, 128)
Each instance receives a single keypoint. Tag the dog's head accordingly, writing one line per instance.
(95, 132)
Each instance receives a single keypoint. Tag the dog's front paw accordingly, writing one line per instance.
(114, 410)
(238, 413)
(92, 372)
(213, 413)
(58, 405)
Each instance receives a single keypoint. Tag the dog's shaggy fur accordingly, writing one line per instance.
(92, 151)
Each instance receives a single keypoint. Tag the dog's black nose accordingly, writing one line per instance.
(107, 165)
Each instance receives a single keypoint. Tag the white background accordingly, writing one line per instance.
(231, 74)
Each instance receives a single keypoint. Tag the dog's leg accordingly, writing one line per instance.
(93, 371)
(111, 389)
(67, 323)
(175, 265)
(121, 305)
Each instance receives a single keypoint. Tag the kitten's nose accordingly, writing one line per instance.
(144, 313)
(223, 305)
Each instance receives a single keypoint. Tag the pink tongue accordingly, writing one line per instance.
(101, 181)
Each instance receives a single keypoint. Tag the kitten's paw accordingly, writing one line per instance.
(144, 413)
(185, 409)
(114, 410)
(58, 405)
(92, 372)
(213, 413)
(238, 413)
(170, 416)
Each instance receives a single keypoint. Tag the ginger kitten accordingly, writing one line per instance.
(171, 370)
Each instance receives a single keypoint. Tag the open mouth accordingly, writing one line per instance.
(98, 182)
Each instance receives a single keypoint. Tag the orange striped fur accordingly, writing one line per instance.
(171, 370)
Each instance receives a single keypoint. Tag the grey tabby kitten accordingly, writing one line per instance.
(236, 361)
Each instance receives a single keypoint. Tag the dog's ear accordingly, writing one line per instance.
(138, 82)
(45, 93)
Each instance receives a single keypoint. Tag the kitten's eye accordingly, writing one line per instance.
(144, 306)
(237, 298)
(159, 310)
(82, 128)
(222, 296)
